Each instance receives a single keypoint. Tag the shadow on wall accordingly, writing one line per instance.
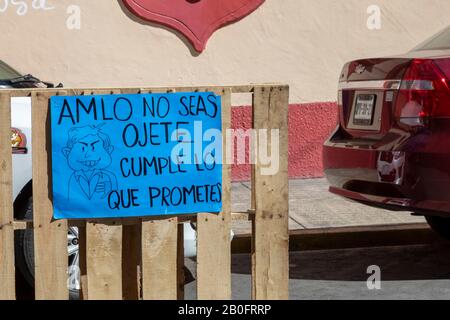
(139, 20)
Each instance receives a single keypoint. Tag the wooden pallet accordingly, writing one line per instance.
(143, 258)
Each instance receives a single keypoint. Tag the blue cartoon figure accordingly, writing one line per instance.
(88, 153)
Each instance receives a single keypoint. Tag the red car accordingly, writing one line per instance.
(391, 148)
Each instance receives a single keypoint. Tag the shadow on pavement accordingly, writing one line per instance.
(418, 262)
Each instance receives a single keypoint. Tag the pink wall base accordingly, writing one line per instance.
(309, 125)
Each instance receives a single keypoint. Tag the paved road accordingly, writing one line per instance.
(411, 272)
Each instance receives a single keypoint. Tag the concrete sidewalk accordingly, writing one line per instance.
(312, 206)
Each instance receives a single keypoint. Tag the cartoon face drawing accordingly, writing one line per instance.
(88, 153)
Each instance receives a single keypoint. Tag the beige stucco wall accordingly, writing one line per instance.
(301, 42)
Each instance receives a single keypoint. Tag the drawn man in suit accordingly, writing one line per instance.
(88, 153)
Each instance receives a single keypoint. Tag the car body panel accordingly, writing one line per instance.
(22, 163)
(404, 171)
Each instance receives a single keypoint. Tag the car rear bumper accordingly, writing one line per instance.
(407, 171)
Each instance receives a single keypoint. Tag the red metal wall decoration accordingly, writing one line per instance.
(197, 20)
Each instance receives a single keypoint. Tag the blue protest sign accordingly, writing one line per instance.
(116, 156)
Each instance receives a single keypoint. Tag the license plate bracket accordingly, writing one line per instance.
(364, 109)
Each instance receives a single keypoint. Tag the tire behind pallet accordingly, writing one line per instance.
(24, 248)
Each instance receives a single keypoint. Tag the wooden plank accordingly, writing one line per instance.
(50, 237)
(235, 216)
(160, 250)
(131, 245)
(76, 91)
(7, 269)
(213, 232)
(104, 250)
(104, 261)
(270, 257)
(159, 259)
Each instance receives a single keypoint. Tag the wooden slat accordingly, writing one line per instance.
(104, 250)
(50, 237)
(7, 269)
(160, 256)
(76, 91)
(131, 245)
(270, 259)
(213, 240)
(104, 261)
(159, 259)
(235, 216)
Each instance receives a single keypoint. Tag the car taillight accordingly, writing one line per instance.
(424, 93)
